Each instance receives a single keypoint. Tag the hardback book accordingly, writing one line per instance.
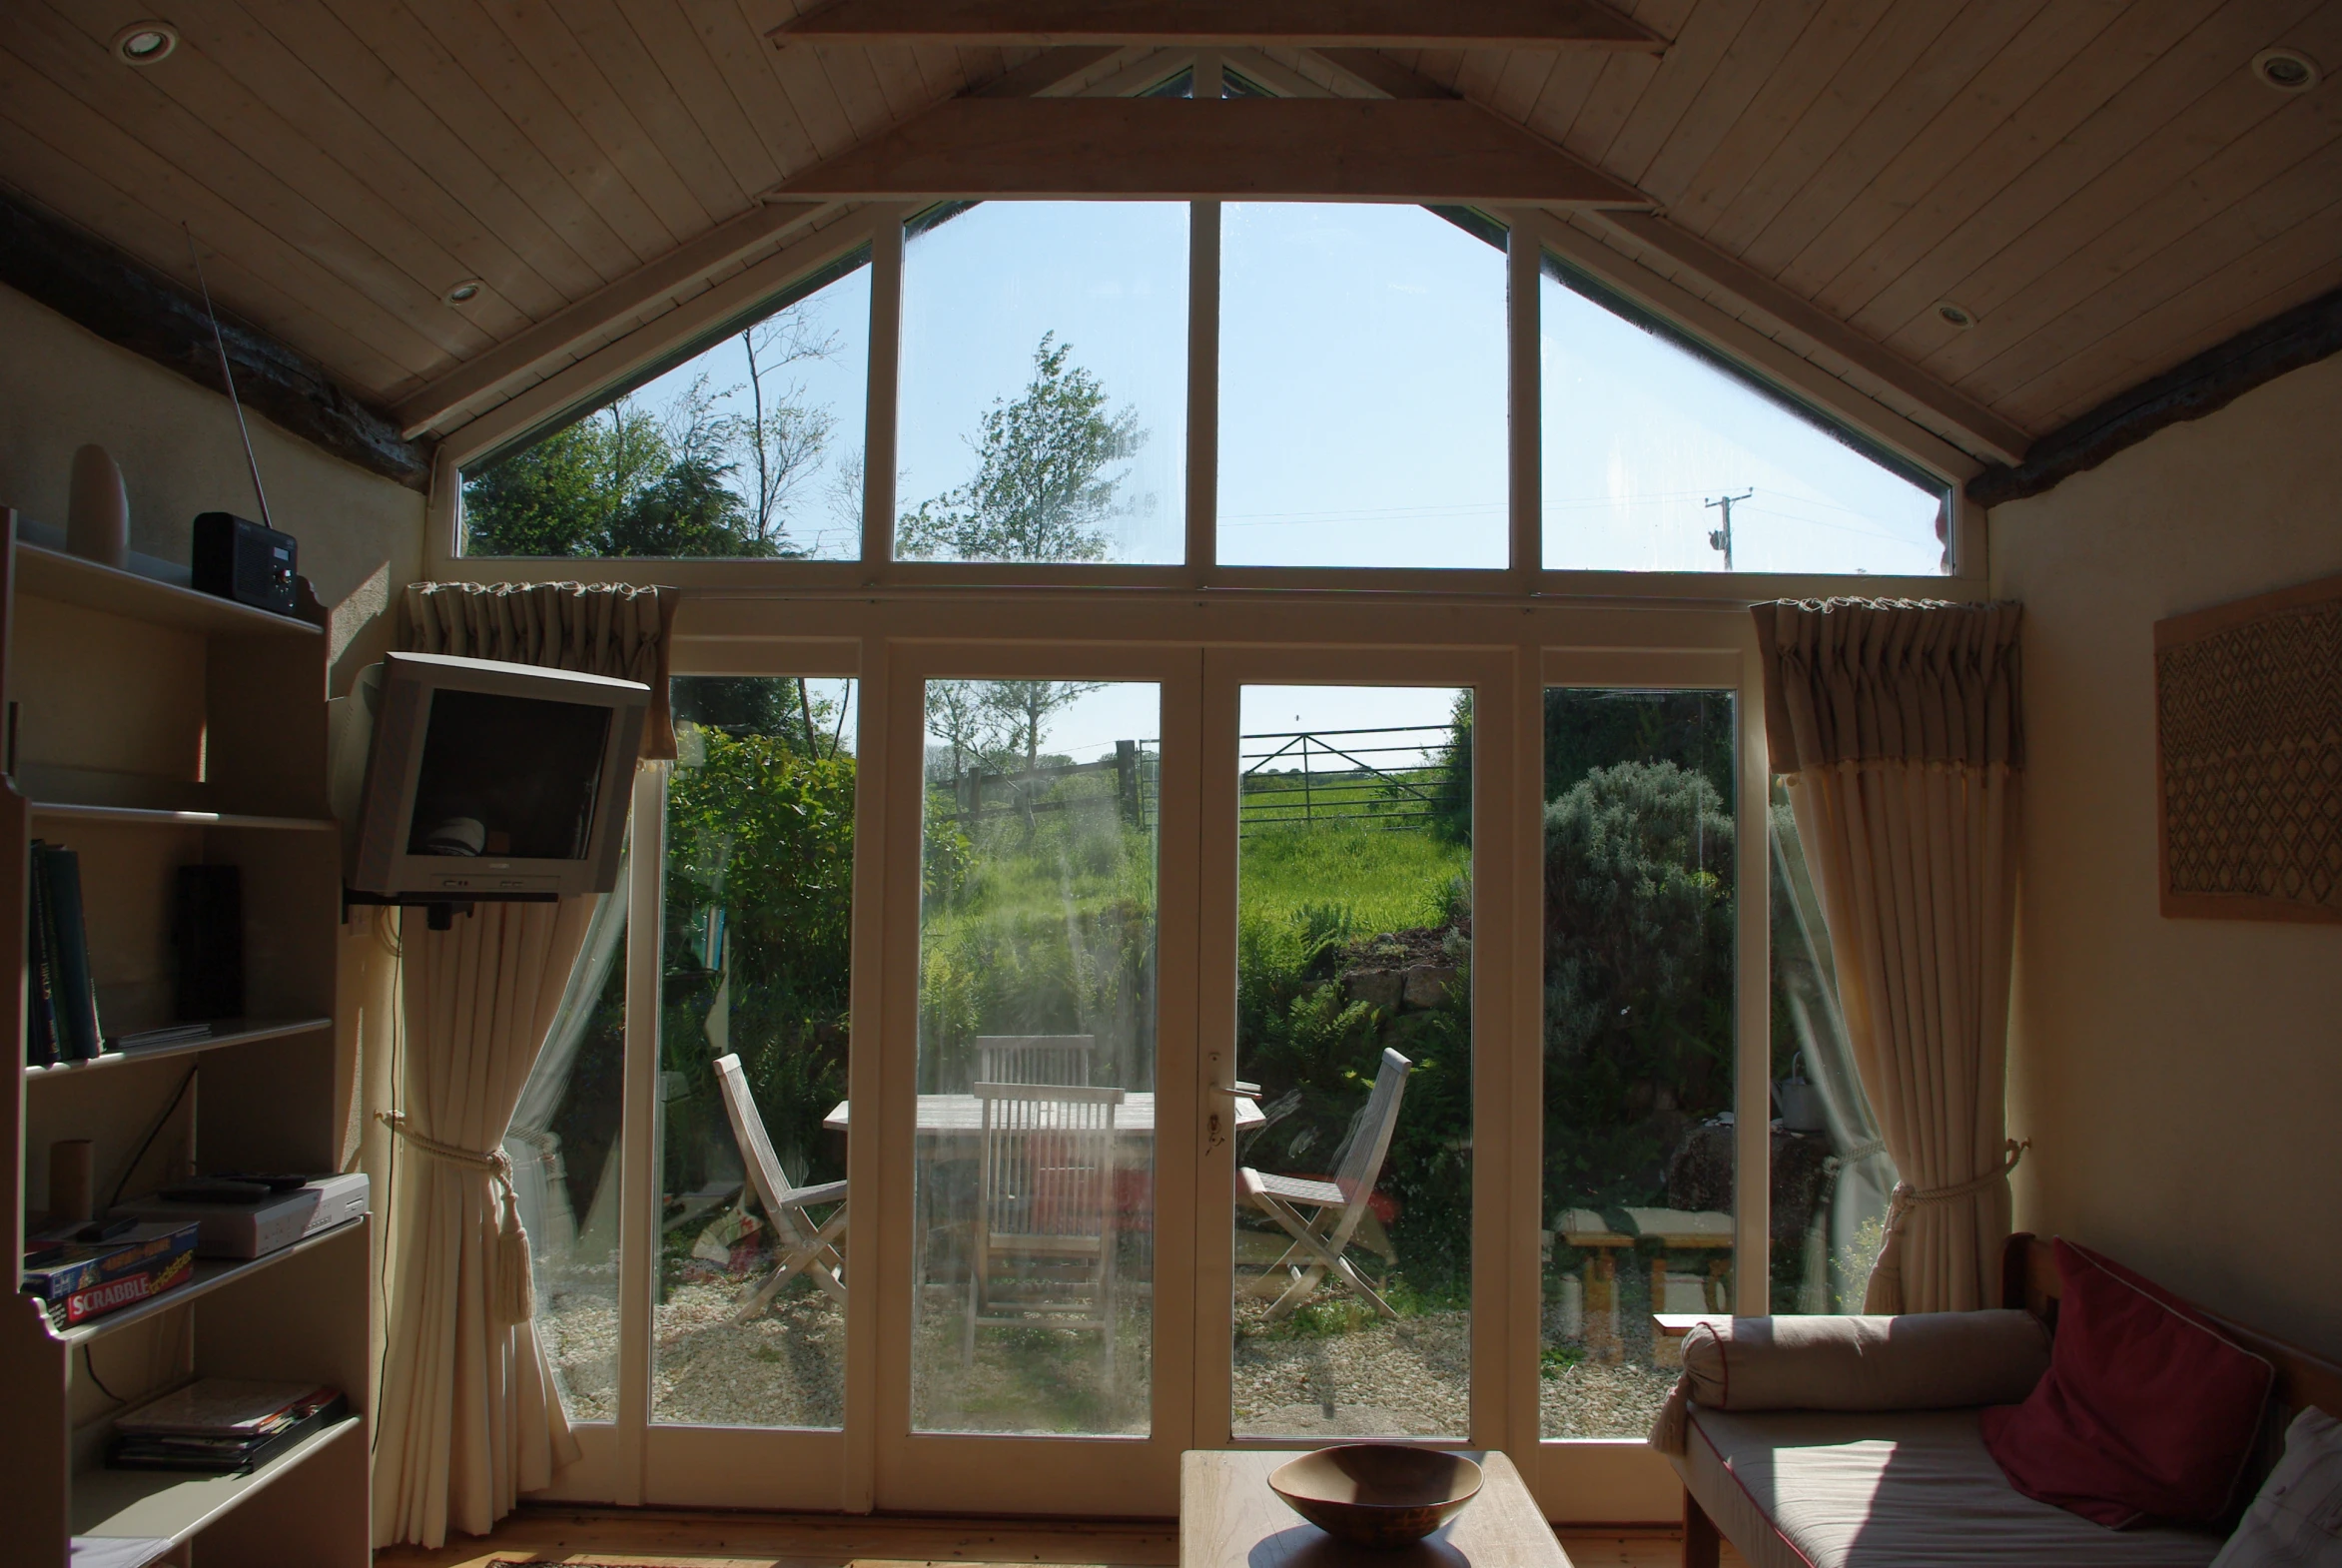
(40, 1031)
(75, 991)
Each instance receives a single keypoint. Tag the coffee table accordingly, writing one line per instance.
(1228, 1518)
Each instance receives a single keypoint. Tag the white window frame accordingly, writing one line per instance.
(860, 618)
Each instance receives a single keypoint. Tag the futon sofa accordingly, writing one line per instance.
(1876, 1479)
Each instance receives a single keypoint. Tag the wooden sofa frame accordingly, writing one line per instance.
(2030, 1281)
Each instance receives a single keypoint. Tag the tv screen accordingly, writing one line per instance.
(493, 780)
(507, 776)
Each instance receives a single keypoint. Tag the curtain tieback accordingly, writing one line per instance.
(514, 1293)
(1877, 1146)
(1907, 1197)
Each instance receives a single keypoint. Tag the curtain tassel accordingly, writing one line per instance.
(512, 1289)
(1885, 1295)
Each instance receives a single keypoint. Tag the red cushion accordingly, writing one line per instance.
(2147, 1411)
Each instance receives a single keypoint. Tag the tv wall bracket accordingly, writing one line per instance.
(438, 913)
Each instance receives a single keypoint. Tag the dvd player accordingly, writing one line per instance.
(254, 1216)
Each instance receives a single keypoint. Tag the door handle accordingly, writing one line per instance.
(1239, 1090)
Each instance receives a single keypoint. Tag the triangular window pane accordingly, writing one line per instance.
(1646, 438)
(747, 445)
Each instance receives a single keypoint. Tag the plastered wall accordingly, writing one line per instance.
(2181, 1080)
(61, 386)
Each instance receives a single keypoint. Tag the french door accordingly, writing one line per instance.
(1038, 1088)
(1237, 949)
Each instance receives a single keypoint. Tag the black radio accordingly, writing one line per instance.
(237, 559)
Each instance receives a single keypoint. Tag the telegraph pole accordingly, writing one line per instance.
(1721, 538)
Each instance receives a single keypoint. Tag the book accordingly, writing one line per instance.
(40, 1034)
(222, 1425)
(235, 1407)
(79, 1034)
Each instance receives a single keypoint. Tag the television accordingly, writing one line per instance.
(493, 781)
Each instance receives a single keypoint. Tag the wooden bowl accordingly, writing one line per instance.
(1377, 1494)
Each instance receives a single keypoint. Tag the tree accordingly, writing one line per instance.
(558, 497)
(1042, 490)
(782, 439)
(696, 480)
(1020, 711)
(955, 714)
(1639, 975)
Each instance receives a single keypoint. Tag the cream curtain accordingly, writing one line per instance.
(1899, 727)
(468, 1416)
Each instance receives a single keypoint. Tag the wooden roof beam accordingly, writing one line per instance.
(1251, 149)
(1296, 24)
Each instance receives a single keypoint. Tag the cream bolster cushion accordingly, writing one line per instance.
(1914, 1361)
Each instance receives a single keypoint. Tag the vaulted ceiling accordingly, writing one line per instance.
(2104, 186)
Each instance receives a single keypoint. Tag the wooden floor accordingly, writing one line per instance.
(711, 1540)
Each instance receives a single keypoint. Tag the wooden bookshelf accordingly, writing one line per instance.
(173, 1506)
(234, 1031)
(154, 727)
(68, 580)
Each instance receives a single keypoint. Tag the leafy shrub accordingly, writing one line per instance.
(765, 834)
(1639, 988)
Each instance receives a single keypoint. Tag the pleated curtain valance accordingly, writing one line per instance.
(1863, 680)
(613, 630)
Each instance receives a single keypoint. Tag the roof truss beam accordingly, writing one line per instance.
(1251, 149)
(1297, 24)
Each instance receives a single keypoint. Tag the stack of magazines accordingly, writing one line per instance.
(222, 1424)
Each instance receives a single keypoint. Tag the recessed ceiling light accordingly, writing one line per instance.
(1959, 315)
(146, 43)
(2287, 70)
(466, 291)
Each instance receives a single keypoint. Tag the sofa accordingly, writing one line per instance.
(1874, 1482)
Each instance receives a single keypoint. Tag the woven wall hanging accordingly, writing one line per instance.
(2249, 757)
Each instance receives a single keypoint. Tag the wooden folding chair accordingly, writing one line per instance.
(1338, 1207)
(1034, 1058)
(1045, 1198)
(799, 1242)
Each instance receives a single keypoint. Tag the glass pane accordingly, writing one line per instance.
(1354, 1217)
(1831, 1176)
(564, 1147)
(1638, 1043)
(1645, 442)
(1034, 1255)
(1362, 388)
(752, 446)
(749, 1328)
(1045, 384)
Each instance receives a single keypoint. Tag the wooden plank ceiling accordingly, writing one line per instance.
(2103, 184)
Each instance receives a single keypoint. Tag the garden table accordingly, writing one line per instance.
(952, 1125)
